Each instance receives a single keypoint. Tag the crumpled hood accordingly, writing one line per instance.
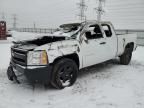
(58, 45)
(25, 36)
(60, 48)
(27, 47)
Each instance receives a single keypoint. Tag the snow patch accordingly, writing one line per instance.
(106, 85)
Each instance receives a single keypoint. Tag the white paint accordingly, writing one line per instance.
(92, 52)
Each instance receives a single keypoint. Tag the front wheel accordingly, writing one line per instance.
(126, 57)
(64, 73)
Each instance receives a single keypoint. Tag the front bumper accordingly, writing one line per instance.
(33, 73)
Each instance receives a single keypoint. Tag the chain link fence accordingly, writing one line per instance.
(36, 30)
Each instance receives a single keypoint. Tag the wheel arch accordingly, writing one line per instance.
(73, 57)
(130, 46)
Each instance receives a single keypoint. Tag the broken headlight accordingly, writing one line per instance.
(37, 58)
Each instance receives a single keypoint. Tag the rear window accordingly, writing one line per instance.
(107, 30)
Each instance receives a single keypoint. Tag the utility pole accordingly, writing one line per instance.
(82, 7)
(100, 10)
(14, 21)
(34, 25)
(3, 16)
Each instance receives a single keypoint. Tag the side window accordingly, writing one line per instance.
(94, 32)
(107, 30)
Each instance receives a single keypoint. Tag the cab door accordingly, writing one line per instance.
(111, 40)
(94, 50)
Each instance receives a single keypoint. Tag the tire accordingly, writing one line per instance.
(126, 57)
(64, 70)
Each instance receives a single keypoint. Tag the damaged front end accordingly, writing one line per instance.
(25, 65)
(32, 59)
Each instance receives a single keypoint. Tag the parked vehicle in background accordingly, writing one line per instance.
(9, 33)
(56, 59)
(3, 30)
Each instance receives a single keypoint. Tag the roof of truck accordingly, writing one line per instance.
(95, 21)
(70, 24)
(79, 23)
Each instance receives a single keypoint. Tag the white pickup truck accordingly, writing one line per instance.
(57, 58)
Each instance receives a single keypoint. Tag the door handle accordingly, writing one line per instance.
(102, 43)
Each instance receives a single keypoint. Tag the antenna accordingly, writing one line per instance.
(82, 7)
(100, 10)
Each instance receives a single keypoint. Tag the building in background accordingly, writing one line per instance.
(3, 30)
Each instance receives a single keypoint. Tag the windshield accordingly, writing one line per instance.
(69, 30)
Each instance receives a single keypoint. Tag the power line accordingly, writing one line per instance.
(82, 7)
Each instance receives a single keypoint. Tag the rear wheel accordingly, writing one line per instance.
(126, 57)
(64, 73)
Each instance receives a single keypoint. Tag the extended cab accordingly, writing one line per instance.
(57, 58)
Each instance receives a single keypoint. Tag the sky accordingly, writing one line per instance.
(124, 14)
(45, 13)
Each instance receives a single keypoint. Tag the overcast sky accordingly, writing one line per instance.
(46, 13)
(124, 14)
